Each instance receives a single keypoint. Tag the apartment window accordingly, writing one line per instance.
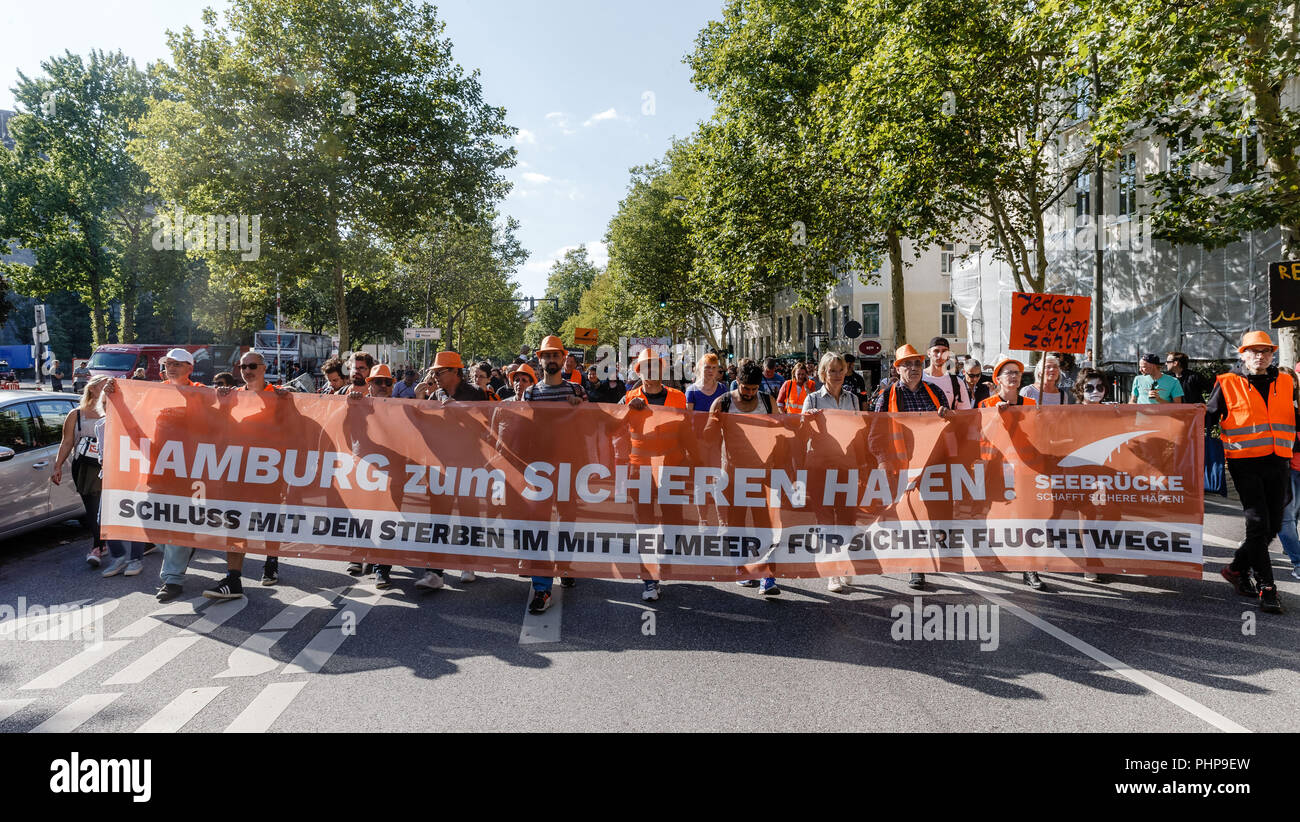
(1178, 148)
(946, 257)
(1082, 197)
(821, 320)
(948, 319)
(1082, 97)
(835, 312)
(801, 326)
(973, 248)
(1126, 184)
(871, 319)
(1245, 160)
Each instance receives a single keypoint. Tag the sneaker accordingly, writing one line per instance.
(541, 601)
(834, 585)
(115, 567)
(917, 581)
(467, 576)
(1033, 580)
(149, 548)
(228, 588)
(94, 558)
(769, 588)
(1268, 602)
(271, 571)
(1091, 577)
(429, 582)
(748, 583)
(133, 567)
(1295, 571)
(567, 582)
(168, 592)
(1239, 581)
(354, 568)
(384, 580)
(650, 591)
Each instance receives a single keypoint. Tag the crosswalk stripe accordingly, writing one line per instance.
(322, 646)
(544, 627)
(76, 714)
(265, 708)
(83, 661)
(9, 707)
(147, 623)
(180, 711)
(168, 650)
(253, 657)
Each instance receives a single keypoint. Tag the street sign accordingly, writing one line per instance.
(40, 314)
(869, 348)
(1284, 293)
(853, 329)
(585, 336)
(43, 332)
(1049, 322)
(422, 334)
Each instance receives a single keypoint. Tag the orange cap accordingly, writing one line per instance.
(524, 370)
(1005, 360)
(906, 352)
(380, 372)
(552, 343)
(448, 359)
(1253, 338)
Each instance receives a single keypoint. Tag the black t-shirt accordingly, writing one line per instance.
(656, 399)
(604, 392)
(465, 393)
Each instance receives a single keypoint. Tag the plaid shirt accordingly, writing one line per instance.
(908, 400)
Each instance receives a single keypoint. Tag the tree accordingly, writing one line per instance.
(570, 277)
(330, 121)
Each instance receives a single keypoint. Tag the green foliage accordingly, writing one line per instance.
(570, 277)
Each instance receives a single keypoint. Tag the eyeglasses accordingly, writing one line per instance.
(249, 366)
(383, 382)
(910, 365)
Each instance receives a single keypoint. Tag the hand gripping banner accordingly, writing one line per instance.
(606, 491)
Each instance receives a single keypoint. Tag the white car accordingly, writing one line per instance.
(31, 425)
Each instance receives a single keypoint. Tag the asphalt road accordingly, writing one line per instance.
(1135, 654)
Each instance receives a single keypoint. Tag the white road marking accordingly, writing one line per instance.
(1123, 669)
(147, 623)
(78, 664)
(180, 711)
(146, 665)
(60, 621)
(322, 646)
(265, 708)
(9, 707)
(253, 657)
(1220, 541)
(76, 714)
(544, 627)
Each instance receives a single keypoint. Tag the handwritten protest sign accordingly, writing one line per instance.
(1049, 322)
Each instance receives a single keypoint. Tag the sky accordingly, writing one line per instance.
(594, 87)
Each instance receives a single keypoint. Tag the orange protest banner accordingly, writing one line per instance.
(1049, 322)
(608, 491)
(585, 336)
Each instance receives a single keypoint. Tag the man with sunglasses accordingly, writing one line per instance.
(252, 367)
(1176, 363)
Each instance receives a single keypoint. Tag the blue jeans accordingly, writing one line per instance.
(543, 583)
(118, 548)
(1290, 541)
(176, 559)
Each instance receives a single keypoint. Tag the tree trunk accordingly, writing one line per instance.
(98, 325)
(896, 289)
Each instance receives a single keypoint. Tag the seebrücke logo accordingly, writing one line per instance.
(1099, 451)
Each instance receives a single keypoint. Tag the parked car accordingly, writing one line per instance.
(31, 425)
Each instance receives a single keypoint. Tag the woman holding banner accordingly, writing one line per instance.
(826, 450)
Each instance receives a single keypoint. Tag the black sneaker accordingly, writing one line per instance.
(228, 588)
(541, 601)
(168, 592)
(567, 582)
(1239, 581)
(271, 571)
(382, 578)
(917, 581)
(1033, 580)
(1268, 602)
(354, 568)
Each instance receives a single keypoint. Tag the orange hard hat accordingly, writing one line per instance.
(907, 352)
(448, 359)
(524, 370)
(552, 343)
(1252, 339)
(1004, 361)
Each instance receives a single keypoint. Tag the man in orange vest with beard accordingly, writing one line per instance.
(1255, 406)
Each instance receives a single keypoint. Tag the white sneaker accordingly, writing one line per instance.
(117, 566)
(1295, 571)
(430, 581)
(650, 593)
(835, 585)
(467, 576)
(133, 567)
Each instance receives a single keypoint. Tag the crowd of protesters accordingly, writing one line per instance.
(1255, 405)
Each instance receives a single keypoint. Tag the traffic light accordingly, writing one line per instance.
(731, 353)
(663, 300)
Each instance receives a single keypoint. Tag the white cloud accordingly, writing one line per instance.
(535, 178)
(526, 137)
(597, 253)
(607, 114)
(561, 121)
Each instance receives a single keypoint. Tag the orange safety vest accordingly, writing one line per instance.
(987, 451)
(898, 436)
(1251, 428)
(794, 396)
(653, 438)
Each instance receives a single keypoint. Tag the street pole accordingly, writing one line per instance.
(278, 344)
(1098, 197)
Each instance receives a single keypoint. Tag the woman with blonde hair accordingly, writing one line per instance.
(706, 388)
(79, 434)
(823, 449)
